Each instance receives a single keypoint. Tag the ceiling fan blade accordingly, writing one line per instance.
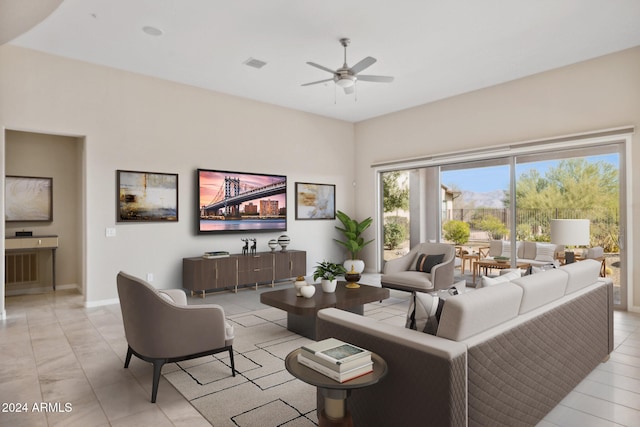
(365, 63)
(313, 64)
(319, 81)
(349, 90)
(377, 79)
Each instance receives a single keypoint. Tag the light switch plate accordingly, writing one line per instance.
(110, 232)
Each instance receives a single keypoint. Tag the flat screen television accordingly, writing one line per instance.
(240, 202)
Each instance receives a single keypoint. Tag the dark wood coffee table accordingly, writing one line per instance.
(301, 312)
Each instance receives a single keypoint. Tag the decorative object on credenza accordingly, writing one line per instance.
(328, 272)
(315, 201)
(28, 199)
(284, 241)
(252, 249)
(146, 197)
(352, 277)
(240, 202)
(273, 244)
(353, 241)
(245, 248)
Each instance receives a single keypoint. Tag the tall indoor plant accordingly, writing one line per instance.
(352, 230)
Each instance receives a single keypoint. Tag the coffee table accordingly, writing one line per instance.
(487, 264)
(301, 312)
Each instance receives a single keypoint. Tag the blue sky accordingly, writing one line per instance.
(493, 178)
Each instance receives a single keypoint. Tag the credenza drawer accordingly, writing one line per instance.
(31, 243)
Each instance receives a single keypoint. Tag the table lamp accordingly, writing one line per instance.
(570, 232)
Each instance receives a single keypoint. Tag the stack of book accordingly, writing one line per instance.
(215, 254)
(336, 359)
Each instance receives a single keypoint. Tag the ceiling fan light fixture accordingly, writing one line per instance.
(346, 81)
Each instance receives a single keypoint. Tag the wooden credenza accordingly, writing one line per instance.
(21, 258)
(201, 274)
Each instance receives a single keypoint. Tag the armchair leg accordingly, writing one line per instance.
(128, 359)
(233, 365)
(157, 368)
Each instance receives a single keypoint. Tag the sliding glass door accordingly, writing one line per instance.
(511, 198)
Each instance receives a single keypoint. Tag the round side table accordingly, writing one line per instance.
(334, 393)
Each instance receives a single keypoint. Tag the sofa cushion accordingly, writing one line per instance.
(425, 262)
(413, 280)
(528, 250)
(495, 248)
(540, 289)
(506, 249)
(595, 252)
(474, 312)
(581, 274)
(491, 281)
(545, 252)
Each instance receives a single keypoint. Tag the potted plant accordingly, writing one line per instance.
(328, 272)
(353, 241)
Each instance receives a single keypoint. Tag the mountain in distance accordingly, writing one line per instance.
(488, 199)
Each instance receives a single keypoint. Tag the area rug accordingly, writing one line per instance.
(262, 393)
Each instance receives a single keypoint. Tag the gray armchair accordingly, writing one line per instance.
(161, 328)
(400, 273)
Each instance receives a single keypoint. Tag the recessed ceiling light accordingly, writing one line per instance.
(152, 31)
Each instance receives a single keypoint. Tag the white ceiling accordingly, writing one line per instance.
(434, 49)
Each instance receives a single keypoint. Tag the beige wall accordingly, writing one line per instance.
(598, 94)
(135, 122)
(41, 155)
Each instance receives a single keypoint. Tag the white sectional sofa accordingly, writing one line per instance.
(503, 355)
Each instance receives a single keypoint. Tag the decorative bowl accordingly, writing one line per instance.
(501, 259)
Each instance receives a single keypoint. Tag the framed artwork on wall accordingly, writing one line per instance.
(315, 201)
(28, 199)
(147, 196)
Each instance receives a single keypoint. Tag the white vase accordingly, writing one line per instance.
(308, 291)
(329, 286)
(299, 284)
(357, 264)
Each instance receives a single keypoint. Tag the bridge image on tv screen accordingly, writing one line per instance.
(236, 201)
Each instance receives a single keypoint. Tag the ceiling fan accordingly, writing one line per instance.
(346, 76)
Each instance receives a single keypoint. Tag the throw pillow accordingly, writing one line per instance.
(426, 262)
(545, 252)
(424, 313)
(490, 281)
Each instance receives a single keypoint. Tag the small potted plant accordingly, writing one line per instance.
(328, 272)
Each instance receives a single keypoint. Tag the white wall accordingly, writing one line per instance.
(140, 123)
(599, 94)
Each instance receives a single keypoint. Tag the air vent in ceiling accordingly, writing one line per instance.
(255, 63)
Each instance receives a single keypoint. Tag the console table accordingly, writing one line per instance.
(201, 274)
(21, 259)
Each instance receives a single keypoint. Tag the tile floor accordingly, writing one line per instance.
(70, 358)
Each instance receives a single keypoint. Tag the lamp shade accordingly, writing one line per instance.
(570, 232)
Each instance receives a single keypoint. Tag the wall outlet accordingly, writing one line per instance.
(110, 232)
(149, 277)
